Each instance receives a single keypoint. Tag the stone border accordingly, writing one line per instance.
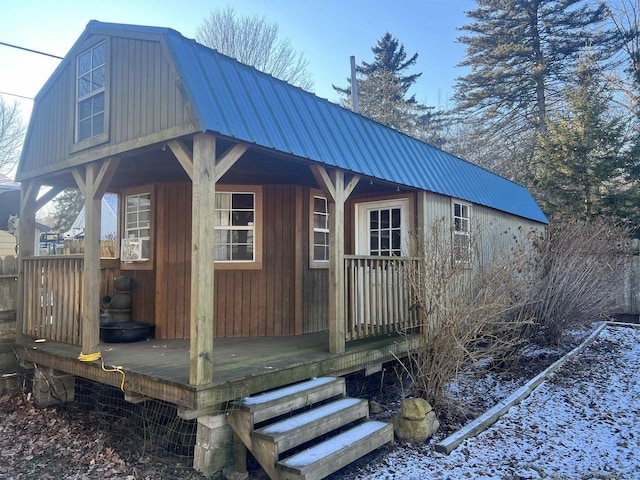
(489, 417)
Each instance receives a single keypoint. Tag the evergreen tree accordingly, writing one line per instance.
(66, 207)
(521, 52)
(583, 156)
(389, 56)
(383, 92)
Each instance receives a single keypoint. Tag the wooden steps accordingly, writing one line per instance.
(307, 430)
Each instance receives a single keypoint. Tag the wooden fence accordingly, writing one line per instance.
(53, 296)
(8, 283)
(378, 296)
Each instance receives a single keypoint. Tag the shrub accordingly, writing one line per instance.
(575, 276)
(468, 310)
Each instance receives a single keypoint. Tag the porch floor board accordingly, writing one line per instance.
(242, 366)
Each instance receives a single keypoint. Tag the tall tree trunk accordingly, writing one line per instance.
(540, 68)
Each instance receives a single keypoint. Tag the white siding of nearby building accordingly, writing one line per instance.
(7, 244)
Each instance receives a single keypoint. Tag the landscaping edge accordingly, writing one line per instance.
(485, 420)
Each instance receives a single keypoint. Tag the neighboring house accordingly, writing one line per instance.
(249, 209)
(9, 210)
(108, 222)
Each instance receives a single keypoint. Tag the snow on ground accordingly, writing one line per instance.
(581, 423)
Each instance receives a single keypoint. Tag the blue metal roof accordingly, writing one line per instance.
(238, 101)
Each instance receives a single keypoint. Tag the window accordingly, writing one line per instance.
(135, 246)
(90, 93)
(235, 227)
(319, 231)
(461, 232)
(383, 228)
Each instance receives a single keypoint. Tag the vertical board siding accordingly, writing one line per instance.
(247, 302)
(144, 98)
(142, 80)
(50, 131)
(315, 281)
(173, 260)
(142, 295)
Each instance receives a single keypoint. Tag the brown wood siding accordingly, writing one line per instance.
(261, 302)
(144, 98)
(142, 295)
(248, 302)
(173, 260)
(315, 281)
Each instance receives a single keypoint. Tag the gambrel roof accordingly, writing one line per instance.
(237, 101)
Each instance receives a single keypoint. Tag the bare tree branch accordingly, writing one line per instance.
(11, 136)
(254, 41)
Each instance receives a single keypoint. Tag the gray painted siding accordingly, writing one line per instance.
(494, 230)
(51, 126)
(145, 93)
(144, 99)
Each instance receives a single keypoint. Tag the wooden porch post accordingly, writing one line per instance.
(202, 264)
(205, 170)
(93, 185)
(334, 187)
(336, 266)
(26, 246)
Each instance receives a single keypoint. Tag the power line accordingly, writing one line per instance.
(30, 50)
(16, 95)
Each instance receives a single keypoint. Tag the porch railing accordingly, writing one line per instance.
(52, 302)
(378, 295)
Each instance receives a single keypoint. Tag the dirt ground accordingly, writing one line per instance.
(64, 442)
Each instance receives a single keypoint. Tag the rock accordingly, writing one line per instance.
(415, 431)
(415, 408)
(229, 473)
(375, 407)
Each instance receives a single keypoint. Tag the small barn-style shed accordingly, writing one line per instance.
(254, 216)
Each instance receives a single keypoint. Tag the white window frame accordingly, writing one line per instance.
(461, 231)
(362, 211)
(94, 138)
(135, 232)
(313, 229)
(256, 262)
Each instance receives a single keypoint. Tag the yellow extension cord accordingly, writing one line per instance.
(92, 357)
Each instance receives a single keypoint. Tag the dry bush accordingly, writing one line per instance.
(575, 279)
(469, 311)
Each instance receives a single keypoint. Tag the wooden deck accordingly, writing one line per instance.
(242, 366)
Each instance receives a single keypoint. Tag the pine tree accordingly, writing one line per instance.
(583, 155)
(521, 53)
(66, 207)
(383, 91)
(389, 56)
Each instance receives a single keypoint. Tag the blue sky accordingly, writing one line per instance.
(326, 31)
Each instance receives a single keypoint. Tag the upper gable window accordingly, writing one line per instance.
(90, 92)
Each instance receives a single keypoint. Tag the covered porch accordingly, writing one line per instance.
(159, 369)
(344, 308)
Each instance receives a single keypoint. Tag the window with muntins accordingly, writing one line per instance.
(234, 223)
(383, 227)
(461, 232)
(385, 239)
(320, 240)
(90, 92)
(137, 224)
